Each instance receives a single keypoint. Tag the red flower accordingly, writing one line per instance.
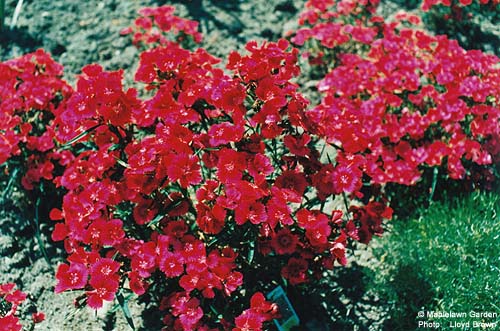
(60, 232)
(295, 271)
(293, 183)
(221, 262)
(56, 214)
(10, 323)
(112, 232)
(436, 151)
(260, 311)
(145, 211)
(254, 212)
(7, 288)
(323, 181)
(171, 264)
(230, 165)
(104, 289)
(346, 179)
(144, 260)
(11, 295)
(278, 209)
(285, 242)
(338, 249)
(194, 254)
(186, 169)
(269, 310)
(233, 97)
(259, 166)
(210, 220)
(71, 277)
(165, 21)
(352, 230)
(137, 284)
(249, 320)
(318, 235)
(232, 282)
(82, 256)
(100, 232)
(38, 317)
(104, 267)
(311, 219)
(207, 191)
(378, 210)
(191, 314)
(176, 229)
(298, 145)
(224, 133)
(455, 168)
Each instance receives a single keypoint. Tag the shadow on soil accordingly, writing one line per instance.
(345, 295)
(19, 37)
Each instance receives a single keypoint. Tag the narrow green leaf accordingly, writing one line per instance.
(80, 136)
(329, 159)
(156, 220)
(17, 12)
(12, 179)
(2, 14)
(121, 162)
(251, 252)
(126, 311)
(212, 308)
(164, 212)
(114, 147)
(434, 182)
(213, 241)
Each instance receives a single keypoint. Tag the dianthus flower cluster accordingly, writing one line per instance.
(335, 23)
(215, 156)
(454, 12)
(428, 4)
(407, 102)
(10, 299)
(208, 179)
(158, 25)
(31, 96)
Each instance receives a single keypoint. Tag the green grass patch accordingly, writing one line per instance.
(447, 261)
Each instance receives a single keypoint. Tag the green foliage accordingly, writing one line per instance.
(446, 260)
(474, 26)
(2, 14)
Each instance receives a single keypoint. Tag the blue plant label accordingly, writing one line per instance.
(288, 317)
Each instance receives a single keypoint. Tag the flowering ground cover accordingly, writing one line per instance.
(196, 182)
